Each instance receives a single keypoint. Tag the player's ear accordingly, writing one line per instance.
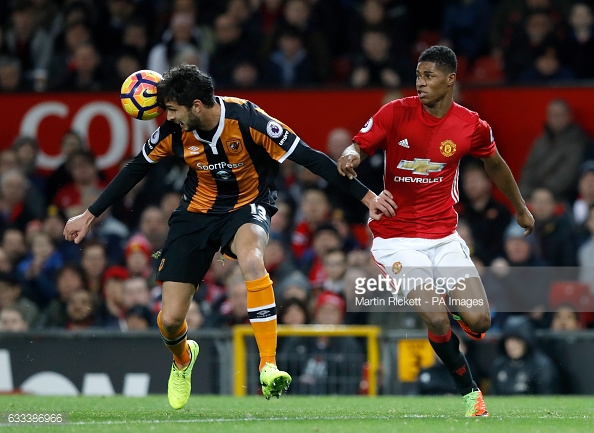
(197, 105)
(451, 79)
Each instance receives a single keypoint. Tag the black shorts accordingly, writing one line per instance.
(194, 239)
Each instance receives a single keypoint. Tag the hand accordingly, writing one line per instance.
(525, 220)
(347, 164)
(380, 205)
(77, 227)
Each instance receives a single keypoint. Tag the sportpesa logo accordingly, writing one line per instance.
(218, 166)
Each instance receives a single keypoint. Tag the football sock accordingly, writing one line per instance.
(447, 348)
(176, 342)
(262, 313)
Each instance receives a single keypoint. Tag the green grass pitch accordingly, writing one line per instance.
(303, 414)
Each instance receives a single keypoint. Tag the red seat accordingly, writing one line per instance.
(576, 294)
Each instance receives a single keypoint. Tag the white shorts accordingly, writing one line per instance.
(408, 262)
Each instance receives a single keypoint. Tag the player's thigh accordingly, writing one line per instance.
(407, 268)
(246, 231)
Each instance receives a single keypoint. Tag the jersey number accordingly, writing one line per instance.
(258, 211)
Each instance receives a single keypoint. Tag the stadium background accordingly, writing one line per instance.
(47, 109)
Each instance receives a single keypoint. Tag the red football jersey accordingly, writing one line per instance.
(421, 164)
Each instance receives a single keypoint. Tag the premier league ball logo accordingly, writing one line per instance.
(274, 129)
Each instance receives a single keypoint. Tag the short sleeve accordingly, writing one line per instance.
(277, 138)
(483, 143)
(373, 135)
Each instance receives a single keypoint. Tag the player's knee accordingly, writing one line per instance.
(437, 323)
(481, 322)
(171, 323)
(252, 265)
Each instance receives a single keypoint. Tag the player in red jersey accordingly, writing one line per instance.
(424, 137)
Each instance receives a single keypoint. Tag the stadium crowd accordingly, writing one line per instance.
(84, 45)
(319, 242)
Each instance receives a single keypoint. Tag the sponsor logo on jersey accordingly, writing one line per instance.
(410, 179)
(396, 267)
(194, 150)
(264, 313)
(274, 129)
(234, 146)
(447, 148)
(280, 143)
(404, 143)
(219, 166)
(367, 126)
(223, 174)
(421, 166)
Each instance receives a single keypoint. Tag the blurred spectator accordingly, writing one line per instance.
(325, 238)
(70, 143)
(245, 75)
(87, 73)
(232, 47)
(126, 62)
(466, 27)
(290, 65)
(94, 263)
(27, 150)
(85, 178)
(578, 46)
(112, 309)
(522, 368)
(136, 38)
(8, 160)
(232, 309)
(138, 256)
(75, 33)
(585, 198)
(153, 226)
(552, 233)
(528, 41)
(486, 217)
(169, 202)
(80, 309)
(138, 318)
(12, 319)
(10, 296)
(19, 202)
(298, 14)
(335, 267)
(296, 285)
(53, 225)
(547, 67)
(11, 77)
(137, 292)
(111, 26)
(70, 278)
(565, 318)
(324, 365)
(376, 66)
(194, 318)
(13, 245)
(315, 209)
(37, 272)
(277, 260)
(555, 156)
(267, 14)
(182, 33)
(5, 264)
(31, 43)
(585, 254)
(293, 311)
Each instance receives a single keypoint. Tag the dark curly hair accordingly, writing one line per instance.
(184, 84)
(443, 57)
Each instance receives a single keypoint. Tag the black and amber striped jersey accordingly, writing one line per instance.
(233, 168)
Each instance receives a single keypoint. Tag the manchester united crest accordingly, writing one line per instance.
(396, 267)
(447, 148)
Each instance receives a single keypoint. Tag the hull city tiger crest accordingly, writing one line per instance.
(233, 146)
(447, 148)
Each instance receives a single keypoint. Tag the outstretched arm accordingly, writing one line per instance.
(322, 165)
(501, 175)
(77, 227)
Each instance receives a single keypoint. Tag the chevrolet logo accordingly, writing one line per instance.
(421, 166)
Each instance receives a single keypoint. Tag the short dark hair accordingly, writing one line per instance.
(184, 84)
(443, 57)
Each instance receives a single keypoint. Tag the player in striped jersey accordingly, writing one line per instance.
(233, 150)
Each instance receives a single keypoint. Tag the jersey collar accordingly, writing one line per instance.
(218, 132)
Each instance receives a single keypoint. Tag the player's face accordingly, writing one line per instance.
(432, 83)
(184, 116)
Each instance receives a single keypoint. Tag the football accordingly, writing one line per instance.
(139, 95)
